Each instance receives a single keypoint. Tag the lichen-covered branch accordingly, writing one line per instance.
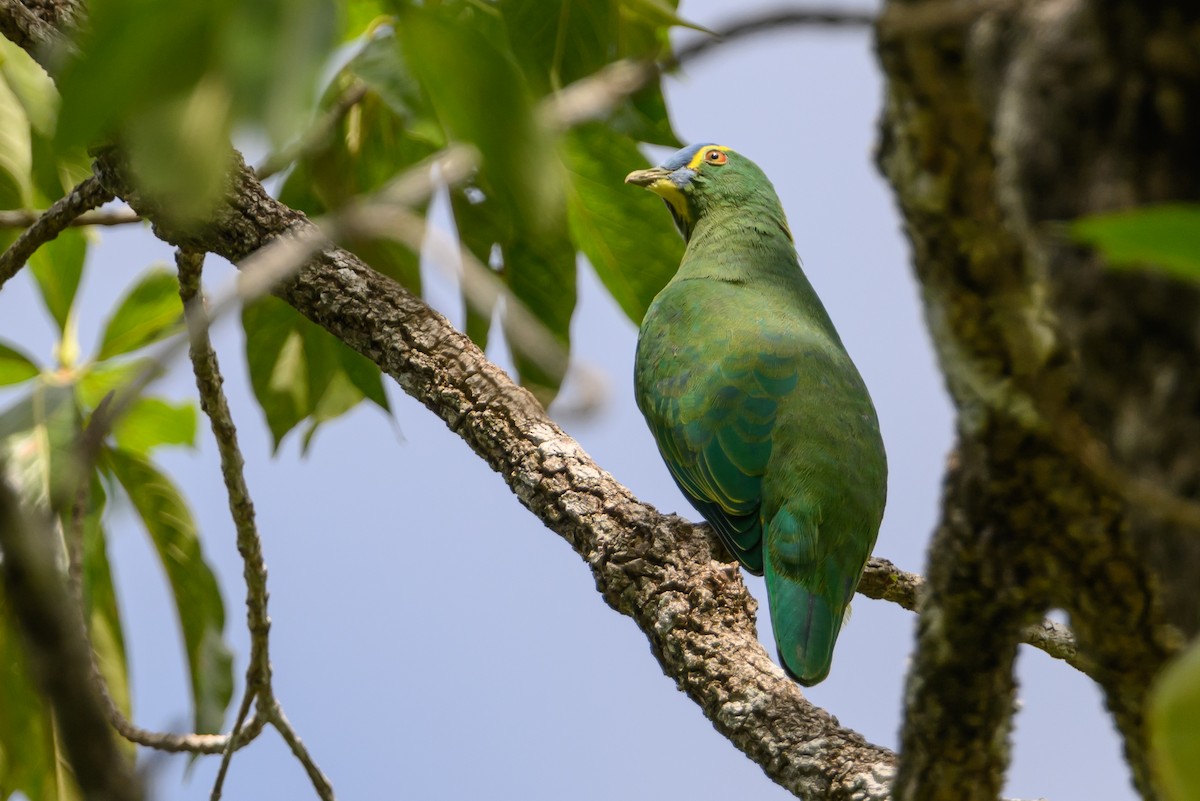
(88, 195)
(883, 581)
(1026, 525)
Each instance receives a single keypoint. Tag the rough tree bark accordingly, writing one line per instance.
(993, 131)
(1033, 112)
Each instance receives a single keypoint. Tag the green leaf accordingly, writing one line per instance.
(28, 763)
(1165, 236)
(15, 366)
(482, 226)
(625, 233)
(57, 267)
(1174, 708)
(151, 422)
(16, 155)
(105, 377)
(287, 376)
(298, 370)
(198, 603)
(32, 86)
(272, 52)
(360, 17)
(557, 46)
(38, 437)
(136, 55)
(541, 271)
(150, 312)
(100, 600)
(381, 66)
(364, 375)
(480, 97)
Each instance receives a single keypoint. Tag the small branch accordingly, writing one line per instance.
(23, 218)
(241, 507)
(21, 26)
(770, 22)
(883, 581)
(58, 657)
(233, 743)
(283, 725)
(87, 195)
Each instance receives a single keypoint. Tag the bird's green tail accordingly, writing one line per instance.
(805, 621)
(806, 626)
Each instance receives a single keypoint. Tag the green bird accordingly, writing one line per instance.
(758, 411)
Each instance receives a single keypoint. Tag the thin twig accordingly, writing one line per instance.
(241, 507)
(87, 195)
(90, 442)
(23, 218)
(233, 743)
(300, 751)
(883, 581)
(767, 22)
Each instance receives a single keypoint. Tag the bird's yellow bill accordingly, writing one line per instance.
(658, 181)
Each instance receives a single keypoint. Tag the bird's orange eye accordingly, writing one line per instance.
(716, 157)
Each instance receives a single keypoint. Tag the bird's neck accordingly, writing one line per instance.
(754, 248)
(748, 243)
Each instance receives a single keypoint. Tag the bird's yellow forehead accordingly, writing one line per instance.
(698, 159)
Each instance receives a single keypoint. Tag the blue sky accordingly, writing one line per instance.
(432, 640)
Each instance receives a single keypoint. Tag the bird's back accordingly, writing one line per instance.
(766, 426)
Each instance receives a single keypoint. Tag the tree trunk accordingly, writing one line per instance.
(993, 134)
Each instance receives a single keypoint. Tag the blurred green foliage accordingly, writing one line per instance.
(171, 83)
(1164, 237)
(1174, 735)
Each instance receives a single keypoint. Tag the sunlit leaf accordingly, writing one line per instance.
(1174, 708)
(359, 17)
(660, 13)
(625, 232)
(105, 377)
(15, 366)
(298, 370)
(38, 438)
(364, 375)
(57, 267)
(1166, 237)
(151, 422)
(381, 66)
(286, 378)
(16, 157)
(198, 603)
(480, 97)
(32, 86)
(151, 311)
